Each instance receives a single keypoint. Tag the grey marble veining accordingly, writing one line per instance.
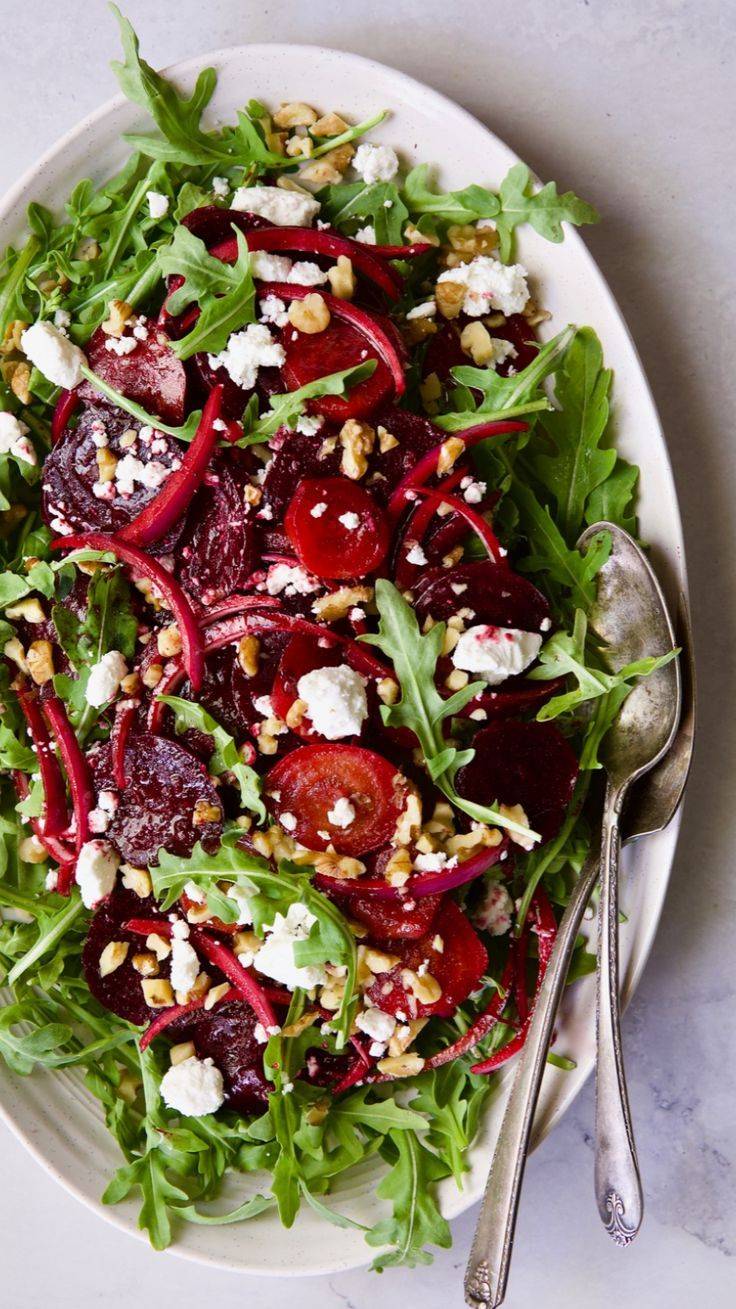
(631, 102)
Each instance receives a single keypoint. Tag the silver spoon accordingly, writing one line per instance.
(630, 616)
(652, 805)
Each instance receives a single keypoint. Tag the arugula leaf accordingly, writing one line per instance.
(549, 552)
(415, 1220)
(108, 622)
(454, 207)
(507, 397)
(286, 408)
(14, 753)
(224, 292)
(613, 500)
(421, 708)
(14, 587)
(577, 465)
(544, 209)
(346, 202)
(225, 758)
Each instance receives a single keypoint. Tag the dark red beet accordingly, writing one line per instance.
(458, 967)
(444, 351)
(217, 552)
(530, 764)
(336, 528)
(517, 695)
(416, 437)
(121, 990)
(151, 375)
(226, 1035)
(388, 920)
(296, 456)
(70, 471)
(164, 783)
(213, 224)
(310, 780)
(338, 347)
(226, 691)
(495, 593)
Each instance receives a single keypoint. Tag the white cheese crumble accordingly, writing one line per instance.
(14, 439)
(220, 187)
(268, 267)
(158, 204)
(104, 678)
(416, 555)
(317, 510)
(246, 352)
(273, 310)
(242, 899)
(375, 163)
(306, 273)
(284, 208)
(490, 285)
(366, 234)
(342, 813)
(376, 1024)
(434, 862)
(194, 1087)
(194, 892)
(426, 310)
(62, 319)
(473, 492)
(276, 955)
(130, 470)
(502, 350)
(335, 699)
(496, 653)
(349, 520)
(97, 866)
(290, 580)
(493, 914)
(53, 354)
(288, 821)
(309, 426)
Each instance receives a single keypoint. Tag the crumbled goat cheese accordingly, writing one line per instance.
(342, 813)
(184, 961)
(130, 470)
(427, 310)
(97, 866)
(242, 899)
(121, 345)
(335, 699)
(350, 521)
(416, 555)
(194, 1087)
(375, 163)
(305, 273)
(220, 187)
(158, 204)
(366, 234)
(194, 892)
(376, 1024)
(268, 267)
(62, 319)
(104, 678)
(246, 352)
(292, 581)
(490, 285)
(434, 862)
(473, 492)
(502, 350)
(317, 510)
(53, 354)
(493, 914)
(284, 208)
(288, 822)
(496, 652)
(264, 705)
(14, 439)
(309, 426)
(273, 310)
(276, 955)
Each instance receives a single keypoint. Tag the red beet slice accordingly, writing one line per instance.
(226, 1035)
(213, 224)
(70, 472)
(228, 694)
(444, 351)
(530, 764)
(458, 967)
(217, 551)
(311, 779)
(388, 920)
(338, 347)
(151, 375)
(164, 783)
(302, 655)
(320, 243)
(416, 437)
(297, 455)
(121, 990)
(336, 528)
(494, 592)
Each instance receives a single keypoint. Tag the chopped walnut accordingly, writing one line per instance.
(403, 1065)
(248, 652)
(357, 440)
(205, 812)
(476, 341)
(106, 464)
(337, 604)
(169, 641)
(151, 676)
(450, 297)
(40, 659)
(119, 312)
(310, 315)
(113, 955)
(342, 278)
(295, 114)
(329, 125)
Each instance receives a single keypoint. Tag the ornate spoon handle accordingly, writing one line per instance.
(617, 1182)
(490, 1257)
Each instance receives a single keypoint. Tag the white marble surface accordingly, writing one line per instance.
(632, 103)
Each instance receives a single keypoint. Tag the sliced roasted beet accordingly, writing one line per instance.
(517, 330)
(518, 695)
(217, 552)
(71, 471)
(228, 694)
(458, 966)
(336, 528)
(227, 1036)
(416, 436)
(213, 224)
(120, 991)
(389, 920)
(165, 784)
(338, 347)
(309, 781)
(530, 764)
(445, 352)
(151, 375)
(302, 655)
(494, 592)
(297, 455)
